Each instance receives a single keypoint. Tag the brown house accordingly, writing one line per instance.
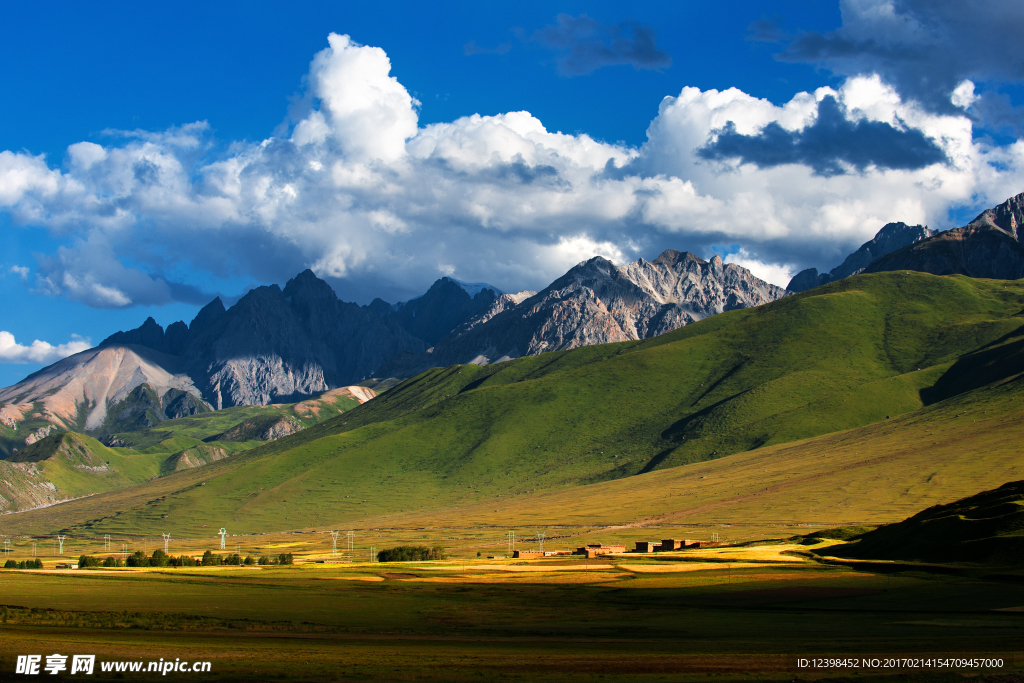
(592, 550)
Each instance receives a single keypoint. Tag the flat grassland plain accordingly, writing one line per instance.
(888, 422)
(724, 614)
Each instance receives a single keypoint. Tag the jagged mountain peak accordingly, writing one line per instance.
(672, 258)
(1008, 217)
(307, 287)
(892, 237)
(208, 315)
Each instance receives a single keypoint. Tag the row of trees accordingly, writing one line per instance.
(24, 564)
(161, 559)
(411, 553)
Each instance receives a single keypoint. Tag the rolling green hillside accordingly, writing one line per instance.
(856, 352)
(67, 465)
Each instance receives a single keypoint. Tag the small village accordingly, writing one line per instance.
(592, 550)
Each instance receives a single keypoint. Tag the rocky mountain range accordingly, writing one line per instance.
(597, 302)
(279, 345)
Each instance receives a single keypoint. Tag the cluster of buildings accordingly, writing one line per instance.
(592, 550)
(669, 544)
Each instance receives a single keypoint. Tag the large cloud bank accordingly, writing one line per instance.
(360, 192)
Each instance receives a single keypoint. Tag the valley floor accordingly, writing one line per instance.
(724, 614)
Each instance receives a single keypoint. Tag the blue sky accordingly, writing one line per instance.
(152, 157)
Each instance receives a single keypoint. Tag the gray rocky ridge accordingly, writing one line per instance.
(597, 302)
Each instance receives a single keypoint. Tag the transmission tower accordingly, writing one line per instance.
(223, 532)
(7, 546)
(60, 539)
(167, 538)
(511, 535)
(540, 541)
(334, 542)
(106, 543)
(124, 551)
(373, 553)
(33, 549)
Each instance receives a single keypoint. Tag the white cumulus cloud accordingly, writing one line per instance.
(362, 193)
(38, 351)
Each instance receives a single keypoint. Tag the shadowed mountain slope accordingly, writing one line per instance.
(984, 528)
(987, 247)
(892, 237)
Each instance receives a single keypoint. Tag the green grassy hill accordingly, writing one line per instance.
(68, 465)
(860, 351)
(987, 527)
